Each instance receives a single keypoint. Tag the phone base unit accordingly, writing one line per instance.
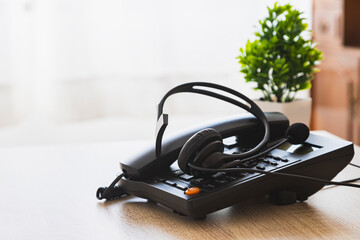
(161, 181)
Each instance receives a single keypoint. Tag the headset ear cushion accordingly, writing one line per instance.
(194, 145)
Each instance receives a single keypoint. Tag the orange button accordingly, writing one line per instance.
(192, 191)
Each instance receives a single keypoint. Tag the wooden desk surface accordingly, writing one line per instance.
(49, 193)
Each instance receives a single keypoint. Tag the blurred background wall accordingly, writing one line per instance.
(336, 88)
(91, 70)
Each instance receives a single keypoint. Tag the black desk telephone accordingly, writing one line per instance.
(226, 162)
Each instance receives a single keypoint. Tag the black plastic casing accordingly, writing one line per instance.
(324, 163)
(331, 156)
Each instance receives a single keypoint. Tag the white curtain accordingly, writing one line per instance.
(74, 60)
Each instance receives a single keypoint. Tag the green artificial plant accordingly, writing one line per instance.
(280, 60)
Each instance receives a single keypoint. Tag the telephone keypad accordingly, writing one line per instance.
(182, 181)
(178, 172)
(260, 167)
(266, 160)
(273, 163)
(181, 187)
(171, 183)
(230, 178)
(186, 177)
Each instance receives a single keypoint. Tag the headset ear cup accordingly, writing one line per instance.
(201, 156)
(194, 145)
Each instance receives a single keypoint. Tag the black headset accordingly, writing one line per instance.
(205, 148)
(203, 153)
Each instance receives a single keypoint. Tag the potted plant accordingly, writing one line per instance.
(282, 62)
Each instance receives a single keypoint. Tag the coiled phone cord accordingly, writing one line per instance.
(112, 192)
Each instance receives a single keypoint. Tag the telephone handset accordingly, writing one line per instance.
(146, 164)
(228, 161)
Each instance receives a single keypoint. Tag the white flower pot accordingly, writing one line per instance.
(298, 110)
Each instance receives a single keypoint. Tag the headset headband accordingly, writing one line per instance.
(199, 87)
